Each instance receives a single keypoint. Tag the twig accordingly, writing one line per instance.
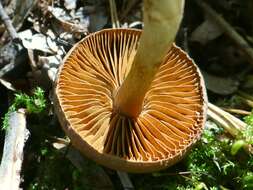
(125, 180)
(230, 123)
(8, 24)
(7, 68)
(16, 135)
(228, 29)
(237, 111)
(14, 48)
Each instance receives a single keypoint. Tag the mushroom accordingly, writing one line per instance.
(132, 100)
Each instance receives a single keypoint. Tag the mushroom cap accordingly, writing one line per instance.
(174, 108)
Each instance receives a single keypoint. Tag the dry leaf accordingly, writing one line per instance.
(67, 22)
(70, 4)
(38, 42)
(206, 32)
(220, 85)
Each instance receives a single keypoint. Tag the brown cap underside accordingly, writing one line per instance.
(173, 114)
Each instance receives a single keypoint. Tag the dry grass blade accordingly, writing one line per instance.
(229, 122)
(114, 14)
(236, 111)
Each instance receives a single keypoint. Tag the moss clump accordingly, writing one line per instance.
(33, 104)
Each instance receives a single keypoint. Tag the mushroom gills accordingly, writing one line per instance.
(172, 116)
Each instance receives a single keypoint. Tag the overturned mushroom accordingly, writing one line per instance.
(129, 106)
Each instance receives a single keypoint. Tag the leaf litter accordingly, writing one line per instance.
(49, 28)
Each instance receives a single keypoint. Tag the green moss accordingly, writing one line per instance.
(33, 104)
(248, 133)
(209, 165)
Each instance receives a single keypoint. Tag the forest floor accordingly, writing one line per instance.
(218, 35)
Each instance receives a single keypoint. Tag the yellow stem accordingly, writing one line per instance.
(161, 22)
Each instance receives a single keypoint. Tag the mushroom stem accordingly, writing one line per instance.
(161, 22)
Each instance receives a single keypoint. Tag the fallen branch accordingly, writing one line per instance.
(228, 29)
(15, 138)
(10, 53)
